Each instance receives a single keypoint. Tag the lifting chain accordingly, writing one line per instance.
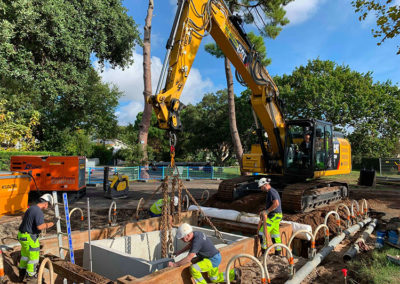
(179, 198)
(217, 233)
(164, 219)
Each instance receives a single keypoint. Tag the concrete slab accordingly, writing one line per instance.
(140, 254)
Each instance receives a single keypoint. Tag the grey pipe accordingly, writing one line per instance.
(90, 237)
(310, 265)
(355, 248)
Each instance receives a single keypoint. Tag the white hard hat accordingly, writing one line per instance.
(263, 181)
(183, 230)
(47, 198)
(176, 201)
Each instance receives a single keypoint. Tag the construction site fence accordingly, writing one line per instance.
(382, 166)
(95, 175)
(389, 166)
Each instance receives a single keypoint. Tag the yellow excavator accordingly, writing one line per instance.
(295, 154)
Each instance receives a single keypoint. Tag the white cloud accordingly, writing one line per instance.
(300, 11)
(130, 83)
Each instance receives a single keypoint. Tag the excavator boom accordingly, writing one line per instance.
(280, 157)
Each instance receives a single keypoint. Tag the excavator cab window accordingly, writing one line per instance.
(323, 158)
(298, 149)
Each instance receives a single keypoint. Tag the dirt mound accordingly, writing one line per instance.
(252, 203)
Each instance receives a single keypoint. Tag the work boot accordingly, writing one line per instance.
(31, 279)
(21, 273)
(238, 276)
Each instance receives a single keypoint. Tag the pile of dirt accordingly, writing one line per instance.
(252, 203)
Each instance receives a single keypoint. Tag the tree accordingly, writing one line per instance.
(207, 129)
(213, 49)
(16, 132)
(147, 112)
(364, 110)
(45, 60)
(272, 10)
(387, 17)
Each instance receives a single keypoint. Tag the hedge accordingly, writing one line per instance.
(5, 157)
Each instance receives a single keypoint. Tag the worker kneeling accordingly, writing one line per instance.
(156, 209)
(200, 245)
(270, 217)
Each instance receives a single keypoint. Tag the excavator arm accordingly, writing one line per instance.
(195, 19)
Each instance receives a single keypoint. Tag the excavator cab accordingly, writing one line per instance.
(308, 147)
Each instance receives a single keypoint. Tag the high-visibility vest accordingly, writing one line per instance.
(156, 208)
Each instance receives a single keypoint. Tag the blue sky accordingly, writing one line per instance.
(326, 29)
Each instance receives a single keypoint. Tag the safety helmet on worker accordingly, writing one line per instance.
(176, 201)
(263, 181)
(47, 198)
(183, 230)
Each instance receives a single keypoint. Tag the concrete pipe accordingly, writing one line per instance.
(311, 250)
(290, 260)
(112, 214)
(348, 217)
(310, 265)
(339, 229)
(355, 248)
(228, 266)
(41, 269)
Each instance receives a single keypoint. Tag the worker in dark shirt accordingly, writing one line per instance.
(200, 245)
(28, 236)
(270, 217)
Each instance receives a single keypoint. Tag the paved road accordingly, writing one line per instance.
(138, 190)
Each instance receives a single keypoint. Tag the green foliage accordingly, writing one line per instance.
(207, 128)
(77, 143)
(387, 17)
(5, 157)
(375, 268)
(16, 130)
(268, 12)
(45, 63)
(257, 41)
(367, 111)
(104, 154)
(259, 46)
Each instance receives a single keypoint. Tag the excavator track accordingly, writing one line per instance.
(307, 196)
(228, 189)
(296, 197)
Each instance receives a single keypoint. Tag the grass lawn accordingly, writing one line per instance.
(375, 268)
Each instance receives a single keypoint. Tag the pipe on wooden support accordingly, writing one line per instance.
(355, 248)
(310, 265)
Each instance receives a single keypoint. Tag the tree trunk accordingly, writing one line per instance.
(145, 124)
(237, 145)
